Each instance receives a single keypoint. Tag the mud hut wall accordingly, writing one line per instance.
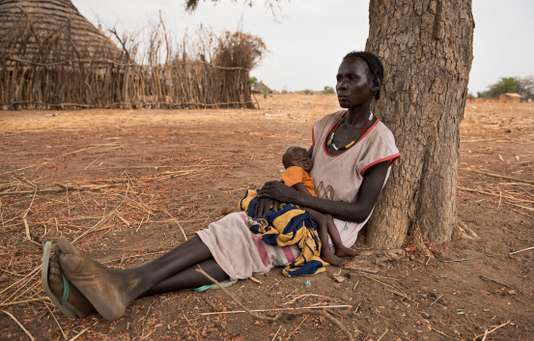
(39, 86)
(48, 70)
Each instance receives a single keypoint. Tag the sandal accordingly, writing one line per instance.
(63, 302)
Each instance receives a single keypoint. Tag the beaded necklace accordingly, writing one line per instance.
(330, 142)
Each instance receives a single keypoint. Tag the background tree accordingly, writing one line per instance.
(192, 5)
(504, 85)
(427, 50)
(253, 80)
(328, 90)
(526, 87)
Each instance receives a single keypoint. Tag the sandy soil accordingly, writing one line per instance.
(128, 168)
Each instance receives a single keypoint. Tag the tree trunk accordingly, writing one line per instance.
(426, 48)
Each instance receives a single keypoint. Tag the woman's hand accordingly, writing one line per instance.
(263, 205)
(278, 191)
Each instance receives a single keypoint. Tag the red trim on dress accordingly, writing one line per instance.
(369, 129)
(390, 158)
(336, 124)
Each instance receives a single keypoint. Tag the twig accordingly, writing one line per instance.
(436, 300)
(93, 162)
(456, 260)
(62, 188)
(113, 145)
(294, 331)
(140, 224)
(487, 279)
(521, 206)
(16, 170)
(19, 324)
(487, 332)
(177, 223)
(500, 176)
(260, 317)
(523, 214)
(441, 333)
(11, 273)
(525, 249)
(57, 322)
(80, 334)
(24, 301)
(250, 312)
(310, 295)
(390, 288)
(382, 336)
(104, 219)
(26, 226)
(126, 222)
(29, 275)
(313, 307)
(276, 334)
(13, 297)
(255, 280)
(68, 202)
(500, 196)
(356, 285)
(342, 326)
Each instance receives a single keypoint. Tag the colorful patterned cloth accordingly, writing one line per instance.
(288, 225)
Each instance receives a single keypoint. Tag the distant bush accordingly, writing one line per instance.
(504, 85)
(328, 90)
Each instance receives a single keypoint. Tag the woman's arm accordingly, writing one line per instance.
(357, 211)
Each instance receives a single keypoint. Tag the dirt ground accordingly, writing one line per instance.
(136, 177)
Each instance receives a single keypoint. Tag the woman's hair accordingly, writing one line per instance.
(297, 156)
(375, 66)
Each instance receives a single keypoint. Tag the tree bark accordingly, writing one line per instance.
(426, 48)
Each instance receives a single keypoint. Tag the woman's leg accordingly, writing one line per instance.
(182, 257)
(189, 278)
(110, 291)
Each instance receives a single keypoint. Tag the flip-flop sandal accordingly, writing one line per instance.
(63, 302)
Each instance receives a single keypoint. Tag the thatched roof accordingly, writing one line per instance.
(260, 88)
(50, 31)
(512, 95)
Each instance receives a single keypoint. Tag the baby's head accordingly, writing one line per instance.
(297, 156)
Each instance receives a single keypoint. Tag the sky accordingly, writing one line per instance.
(306, 39)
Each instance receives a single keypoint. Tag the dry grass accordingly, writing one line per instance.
(128, 185)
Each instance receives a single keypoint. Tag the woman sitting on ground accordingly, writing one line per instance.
(352, 153)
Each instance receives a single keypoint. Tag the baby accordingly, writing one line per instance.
(298, 164)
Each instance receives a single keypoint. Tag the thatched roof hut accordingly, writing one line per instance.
(50, 31)
(52, 57)
(511, 97)
(260, 88)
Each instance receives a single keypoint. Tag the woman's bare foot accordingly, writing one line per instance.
(107, 290)
(329, 256)
(345, 252)
(76, 299)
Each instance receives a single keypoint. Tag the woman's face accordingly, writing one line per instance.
(354, 83)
